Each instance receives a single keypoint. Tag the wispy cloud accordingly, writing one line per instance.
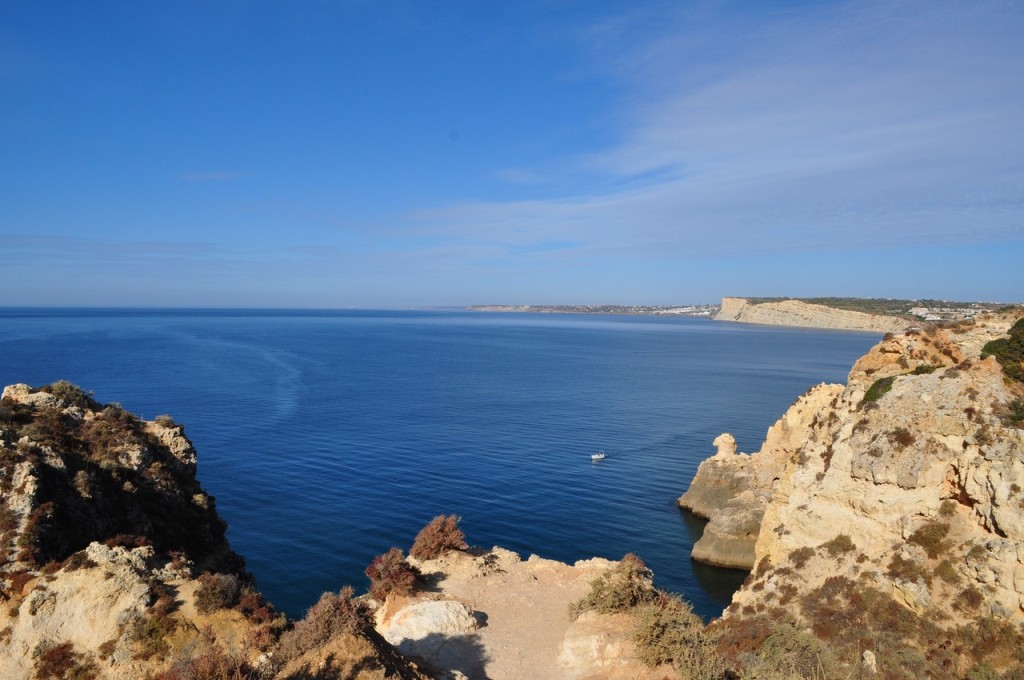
(853, 126)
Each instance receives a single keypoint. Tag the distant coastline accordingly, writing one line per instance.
(859, 314)
(705, 311)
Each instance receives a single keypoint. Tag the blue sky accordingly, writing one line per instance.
(405, 154)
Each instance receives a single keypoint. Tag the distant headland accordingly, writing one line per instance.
(675, 310)
(881, 315)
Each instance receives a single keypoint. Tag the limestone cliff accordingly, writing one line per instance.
(114, 563)
(906, 486)
(732, 490)
(803, 314)
(931, 455)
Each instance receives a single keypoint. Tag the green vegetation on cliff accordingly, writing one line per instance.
(1009, 352)
(882, 306)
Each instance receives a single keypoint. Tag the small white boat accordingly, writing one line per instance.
(600, 455)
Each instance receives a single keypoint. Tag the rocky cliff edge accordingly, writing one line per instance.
(114, 563)
(902, 491)
(806, 315)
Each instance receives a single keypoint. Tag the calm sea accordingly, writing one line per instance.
(329, 436)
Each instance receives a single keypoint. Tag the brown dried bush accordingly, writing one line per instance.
(438, 537)
(619, 589)
(209, 662)
(839, 545)
(930, 537)
(800, 556)
(901, 437)
(334, 614)
(391, 573)
(217, 591)
(62, 662)
(668, 632)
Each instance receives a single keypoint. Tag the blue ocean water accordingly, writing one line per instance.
(329, 436)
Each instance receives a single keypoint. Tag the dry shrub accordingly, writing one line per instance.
(619, 589)
(255, 608)
(152, 629)
(906, 569)
(970, 599)
(741, 636)
(39, 524)
(51, 427)
(948, 573)
(217, 591)
(901, 437)
(391, 573)
(332, 615)
(62, 662)
(1014, 413)
(438, 537)
(800, 556)
(994, 640)
(930, 537)
(983, 671)
(166, 421)
(80, 560)
(793, 653)
(70, 394)
(9, 519)
(151, 632)
(209, 662)
(111, 430)
(668, 632)
(839, 545)
(833, 607)
(129, 541)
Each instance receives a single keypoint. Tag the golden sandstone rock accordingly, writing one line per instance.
(917, 490)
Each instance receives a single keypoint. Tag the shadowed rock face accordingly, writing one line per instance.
(104, 533)
(76, 474)
(76, 471)
(918, 488)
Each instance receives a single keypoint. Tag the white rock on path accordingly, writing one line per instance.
(425, 629)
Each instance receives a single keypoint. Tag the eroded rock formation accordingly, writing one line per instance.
(732, 489)
(910, 479)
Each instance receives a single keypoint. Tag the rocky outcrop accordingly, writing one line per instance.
(104, 537)
(495, 615)
(803, 314)
(601, 646)
(732, 489)
(75, 471)
(908, 480)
